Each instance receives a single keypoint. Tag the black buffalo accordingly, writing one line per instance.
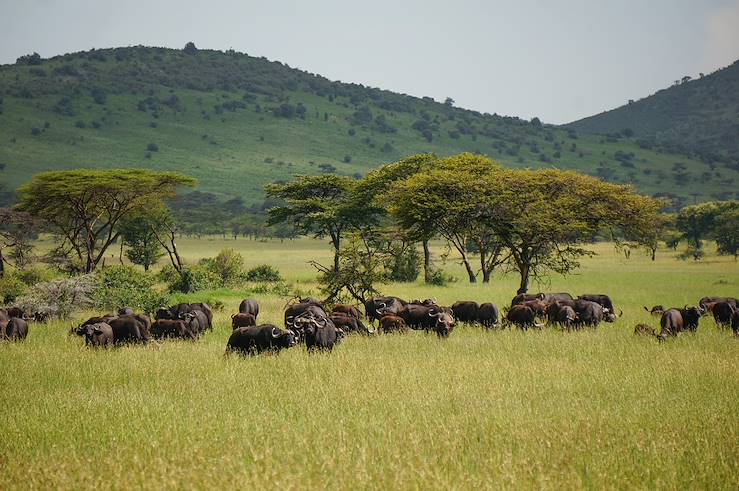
(601, 299)
(671, 323)
(444, 322)
(388, 305)
(488, 315)
(522, 316)
(349, 310)
(97, 335)
(466, 312)
(722, 313)
(348, 323)
(125, 311)
(130, 329)
(258, 339)
(320, 334)
(15, 329)
(589, 313)
(249, 306)
(167, 328)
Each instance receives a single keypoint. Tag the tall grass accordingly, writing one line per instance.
(500, 409)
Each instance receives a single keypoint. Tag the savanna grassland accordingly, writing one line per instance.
(501, 409)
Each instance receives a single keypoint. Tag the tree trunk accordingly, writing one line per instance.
(2, 264)
(468, 267)
(426, 261)
(524, 285)
(336, 241)
(654, 253)
(484, 267)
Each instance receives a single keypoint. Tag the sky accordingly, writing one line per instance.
(556, 60)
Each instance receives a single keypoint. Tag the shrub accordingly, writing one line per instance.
(80, 124)
(11, 287)
(34, 275)
(228, 265)
(58, 298)
(125, 286)
(404, 264)
(152, 147)
(35, 131)
(263, 272)
(190, 279)
(438, 277)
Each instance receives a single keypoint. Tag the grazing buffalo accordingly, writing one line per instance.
(589, 313)
(243, 320)
(466, 312)
(656, 310)
(644, 330)
(538, 306)
(249, 306)
(348, 323)
(125, 311)
(309, 308)
(388, 305)
(691, 317)
(488, 315)
(417, 316)
(15, 329)
(130, 329)
(707, 303)
(566, 317)
(97, 335)
(671, 324)
(525, 297)
(96, 320)
(257, 339)
(522, 316)
(392, 323)
(320, 334)
(167, 328)
(722, 313)
(196, 320)
(349, 310)
(735, 322)
(603, 300)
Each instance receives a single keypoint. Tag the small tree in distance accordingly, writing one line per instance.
(190, 48)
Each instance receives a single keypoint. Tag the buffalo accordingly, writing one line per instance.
(566, 317)
(130, 329)
(249, 306)
(125, 311)
(15, 329)
(349, 310)
(388, 305)
(167, 328)
(522, 316)
(706, 303)
(589, 313)
(392, 323)
(257, 339)
(488, 315)
(466, 312)
(320, 333)
(656, 310)
(348, 323)
(97, 335)
(671, 324)
(243, 320)
(603, 300)
(444, 322)
(735, 322)
(722, 313)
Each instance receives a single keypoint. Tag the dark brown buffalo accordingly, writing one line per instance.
(258, 339)
(15, 312)
(321, 334)
(348, 323)
(691, 317)
(204, 308)
(97, 335)
(130, 329)
(309, 308)
(735, 322)
(589, 313)
(522, 316)
(466, 311)
(656, 310)
(97, 320)
(707, 303)
(538, 306)
(249, 306)
(671, 323)
(16, 329)
(388, 305)
(197, 321)
(488, 315)
(525, 297)
(444, 322)
(125, 311)
(603, 300)
(392, 323)
(243, 320)
(167, 328)
(566, 317)
(722, 313)
(349, 310)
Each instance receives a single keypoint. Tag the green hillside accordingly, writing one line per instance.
(696, 117)
(236, 122)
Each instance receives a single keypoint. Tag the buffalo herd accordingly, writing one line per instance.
(310, 322)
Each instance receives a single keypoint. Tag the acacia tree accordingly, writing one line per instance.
(372, 192)
(320, 206)
(447, 199)
(707, 220)
(85, 207)
(17, 229)
(726, 232)
(140, 233)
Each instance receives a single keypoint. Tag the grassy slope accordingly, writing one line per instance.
(601, 409)
(699, 116)
(236, 153)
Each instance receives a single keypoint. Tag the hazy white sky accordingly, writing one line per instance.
(558, 60)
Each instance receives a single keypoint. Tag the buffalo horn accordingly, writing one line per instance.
(275, 332)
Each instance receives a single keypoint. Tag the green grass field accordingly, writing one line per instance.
(501, 409)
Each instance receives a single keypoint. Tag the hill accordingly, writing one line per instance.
(236, 122)
(696, 117)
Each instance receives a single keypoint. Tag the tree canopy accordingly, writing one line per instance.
(85, 207)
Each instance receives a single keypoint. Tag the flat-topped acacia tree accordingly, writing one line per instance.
(85, 207)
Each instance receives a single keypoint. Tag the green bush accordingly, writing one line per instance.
(437, 277)
(263, 272)
(59, 298)
(33, 275)
(191, 279)
(229, 266)
(11, 287)
(125, 286)
(404, 264)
